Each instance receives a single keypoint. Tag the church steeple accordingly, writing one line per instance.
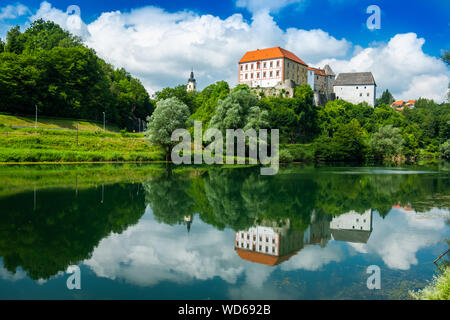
(192, 84)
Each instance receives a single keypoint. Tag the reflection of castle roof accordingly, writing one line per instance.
(262, 258)
(355, 236)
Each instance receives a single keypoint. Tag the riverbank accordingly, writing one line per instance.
(438, 289)
(43, 145)
(29, 145)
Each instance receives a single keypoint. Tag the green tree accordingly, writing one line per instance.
(2, 46)
(170, 114)
(445, 150)
(446, 57)
(386, 98)
(347, 144)
(179, 92)
(387, 142)
(238, 111)
(307, 113)
(207, 101)
(14, 41)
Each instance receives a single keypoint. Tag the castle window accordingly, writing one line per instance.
(246, 67)
(278, 73)
(265, 65)
(264, 75)
(356, 88)
(242, 68)
(271, 74)
(368, 94)
(271, 64)
(252, 66)
(246, 76)
(251, 76)
(278, 63)
(257, 75)
(360, 94)
(257, 65)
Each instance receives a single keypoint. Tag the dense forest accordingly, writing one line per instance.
(47, 67)
(338, 131)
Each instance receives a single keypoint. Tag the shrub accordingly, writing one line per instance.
(286, 156)
(445, 150)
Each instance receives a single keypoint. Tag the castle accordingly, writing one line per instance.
(275, 71)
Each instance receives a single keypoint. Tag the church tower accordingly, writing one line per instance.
(192, 84)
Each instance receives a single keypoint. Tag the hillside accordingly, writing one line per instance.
(53, 123)
(43, 145)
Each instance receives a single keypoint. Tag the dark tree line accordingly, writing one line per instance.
(48, 67)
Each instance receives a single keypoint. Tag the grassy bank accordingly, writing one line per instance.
(41, 145)
(438, 289)
(54, 123)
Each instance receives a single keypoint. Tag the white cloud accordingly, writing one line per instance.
(8, 276)
(161, 47)
(397, 238)
(400, 66)
(150, 252)
(13, 11)
(314, 257)
(70, 22)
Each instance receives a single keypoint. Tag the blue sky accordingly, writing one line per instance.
(318, 31)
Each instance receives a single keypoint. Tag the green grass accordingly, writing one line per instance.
(55, 123)
(30, 145)
(438, 289)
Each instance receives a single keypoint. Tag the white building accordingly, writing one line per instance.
(352, 227)
(267, 68)
(356, 87)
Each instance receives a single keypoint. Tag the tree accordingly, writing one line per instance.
(179, 92)
(307, 112)
(386, 98)
(48, 67)
(347, 144)
(387, 142)
(446, 57)
(2, 46)
(14, 41)
(445, 150)
(238, 111)
(207, 101)
(170, 114)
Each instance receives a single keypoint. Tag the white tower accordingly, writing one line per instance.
(192, 84)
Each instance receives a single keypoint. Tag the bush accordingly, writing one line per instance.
(439, 289)
(445, 150)
(286, 156)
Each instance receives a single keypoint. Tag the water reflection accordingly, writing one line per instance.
(154, 227)
(273, 242)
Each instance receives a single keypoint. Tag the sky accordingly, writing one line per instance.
(160, 41)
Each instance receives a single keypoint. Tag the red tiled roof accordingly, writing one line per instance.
(270, 53)
(262, 258)
(318, 72)
(398, 103)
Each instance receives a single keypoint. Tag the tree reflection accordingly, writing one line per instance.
(64, 229)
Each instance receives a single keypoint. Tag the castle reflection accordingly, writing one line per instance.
(273, 242)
